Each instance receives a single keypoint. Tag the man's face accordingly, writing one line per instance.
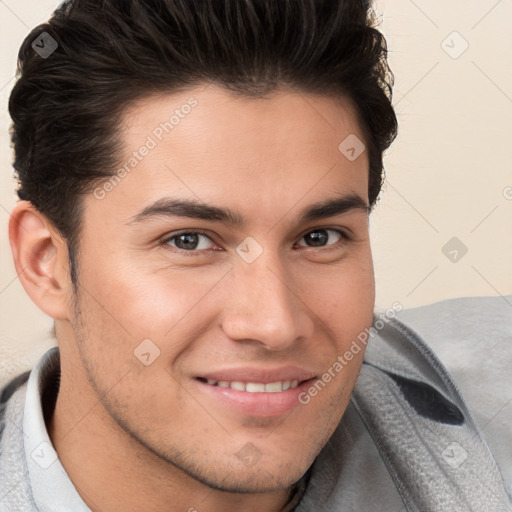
(171, 309)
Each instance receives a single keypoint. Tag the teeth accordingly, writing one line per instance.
(240, 386)
(274, 387)
(256, 387)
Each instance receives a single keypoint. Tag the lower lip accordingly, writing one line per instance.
(256, 404)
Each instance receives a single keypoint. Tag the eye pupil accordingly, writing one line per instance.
(318, 237)
(190, 240)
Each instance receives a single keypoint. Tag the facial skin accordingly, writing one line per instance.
(155, 437)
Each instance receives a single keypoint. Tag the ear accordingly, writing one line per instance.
(41, 260)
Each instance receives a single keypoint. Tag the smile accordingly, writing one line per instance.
(257, 393)
(254, 387)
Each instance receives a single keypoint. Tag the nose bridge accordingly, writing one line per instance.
(263, 305)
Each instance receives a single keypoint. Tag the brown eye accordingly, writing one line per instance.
(321, 237)
(189, 241)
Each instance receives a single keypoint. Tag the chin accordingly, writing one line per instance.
(257, 480)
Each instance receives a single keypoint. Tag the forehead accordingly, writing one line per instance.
(253, 152)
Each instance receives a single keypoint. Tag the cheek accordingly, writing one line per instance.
(150, 303)
(344, 300)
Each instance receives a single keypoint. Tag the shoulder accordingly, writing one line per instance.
(6, 393)
(11, 386)
(462, 318)
(472, 337)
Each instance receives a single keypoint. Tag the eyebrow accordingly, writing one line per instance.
(168, 206)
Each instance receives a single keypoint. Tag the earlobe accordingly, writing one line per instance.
(40, 258)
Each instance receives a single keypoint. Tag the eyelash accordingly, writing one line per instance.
(194, 252)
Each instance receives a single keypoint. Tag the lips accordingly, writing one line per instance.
(255, 392)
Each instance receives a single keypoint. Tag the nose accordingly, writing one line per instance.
(265, 306)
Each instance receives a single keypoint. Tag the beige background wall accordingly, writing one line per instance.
(449, 173)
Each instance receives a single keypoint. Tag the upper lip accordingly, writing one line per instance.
(265, 376)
